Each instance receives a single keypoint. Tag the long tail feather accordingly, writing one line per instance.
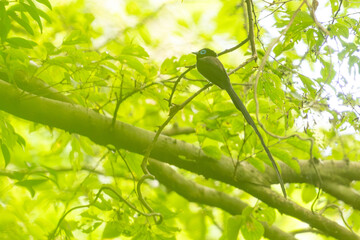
(239, 105)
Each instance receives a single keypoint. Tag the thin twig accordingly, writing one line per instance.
(233, 48)
(312, 14)
(252, 58)
(52, 235)
(340, 212)
(249, 7)
(177, 82)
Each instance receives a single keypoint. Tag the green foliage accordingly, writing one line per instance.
(251, 229)
(308, 193)
(124, 64)
(212, 151)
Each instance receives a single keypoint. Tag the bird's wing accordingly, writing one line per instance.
(213, 70)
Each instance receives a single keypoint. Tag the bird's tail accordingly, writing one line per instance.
(239, 105)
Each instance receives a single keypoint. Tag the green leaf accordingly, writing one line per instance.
(299, 144)
(112, 230)
(29, 184)
(224, 112)
(134, 161)
(187, 60)
(50, 48)
(327, 72)
(310, 36)
(145, 34)
(265, 213)
(281, 47)
(246, 213)
(212, 151)
(103, 205)
(308, 193)
(340, 30)
(89, 214)
(214, 134)
(308, 83)
(352, 61)
(86, 145)
(8, 134)
(232, 228)
(257, 163)
(265, 106)
(21, 42)
(354, 219)
(135, 50)
(302, 21)
(133, 63)
(286, 157)
(17, 176)
(21, 141)
(44, 15)
(62, 62)
(169, 66)
(111, 194)
(6, 153)
(5, 24)
(271, 84)
(92, 228)
(32, 10)
(334, 5)
(238, 124)
(252, 229)
(45, 2)
(21, 22)
(76, 37)
(278, 49)
(199, 106)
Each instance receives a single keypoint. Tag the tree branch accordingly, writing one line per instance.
(195, 192)
(77, 119)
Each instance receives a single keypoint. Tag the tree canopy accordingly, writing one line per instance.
(108, 131)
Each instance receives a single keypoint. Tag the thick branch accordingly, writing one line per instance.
(77, 119)
(204, 195)
(344, 193)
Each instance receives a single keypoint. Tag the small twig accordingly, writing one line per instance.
(312, 13)
(307, 230)
(93, 203)
(136, 90)
(118, 100)
(315, 200)
(249, 6)
(176, 130)
(252, 58)
(233, 48)
(275, 10)
(337, 12)
(340, 212)
(142, 199)
(177, 82)
(127, 166)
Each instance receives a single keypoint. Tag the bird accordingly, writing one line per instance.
(213, 70)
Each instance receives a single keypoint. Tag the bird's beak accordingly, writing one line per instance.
(194, 53)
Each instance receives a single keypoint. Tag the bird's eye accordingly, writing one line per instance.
(203, 51)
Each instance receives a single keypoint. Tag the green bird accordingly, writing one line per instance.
(212, 69)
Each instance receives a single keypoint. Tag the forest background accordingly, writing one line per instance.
(107, 130)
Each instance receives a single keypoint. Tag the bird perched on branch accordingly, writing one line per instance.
(212, 69)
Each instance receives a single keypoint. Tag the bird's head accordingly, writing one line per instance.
(205, 52)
